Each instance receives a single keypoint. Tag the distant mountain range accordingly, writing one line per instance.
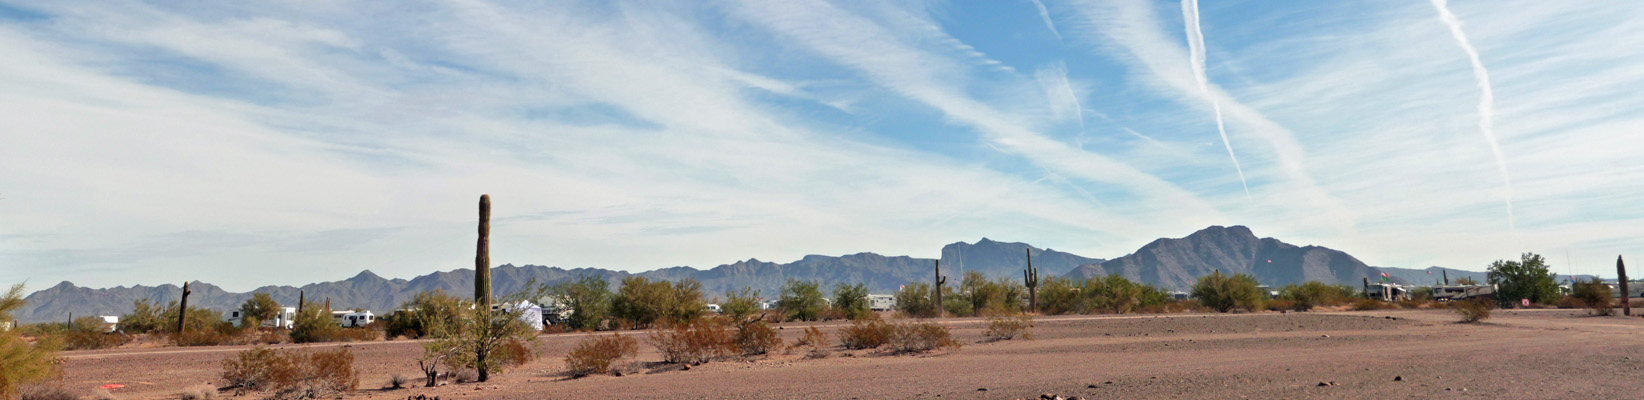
(1168, 263)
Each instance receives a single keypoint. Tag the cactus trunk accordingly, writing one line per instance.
(939, 281)
(1626, 296)
(182, 308)
(1030, 277)
(482, 279)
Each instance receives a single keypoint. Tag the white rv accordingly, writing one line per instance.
(110, 323)
(714, 308)
(767, 305)
(530, 313)
(350, 319)
(284, 319)
(881, 302)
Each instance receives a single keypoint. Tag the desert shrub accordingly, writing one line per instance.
(1225, 293)
(801, 300)
(86, 333)
(481, 340)
(815, 341)
(984, 296)
(1595, 295)
(45, 391)
(596, 354)
(357, 335)
(514, 353)
(642, 302)
(1007, 328)
(921, 337)
(314, 324)
(260, 307)
(395, 382)
(851, 301)
(741, 305)
(695, 342)
(1117, 294)
(21, 363)
(145, 317)
(218, 334)
(202, 392)
(756, 337)
(1369, 305)
(955, 304)
(1305, 296)
(868, 334)
(1279, 304)
(426, 313)
(291, 374)
(1473, 310)
(1058, 296)
(914, 300)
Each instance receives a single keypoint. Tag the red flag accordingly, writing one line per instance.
(1385, 275)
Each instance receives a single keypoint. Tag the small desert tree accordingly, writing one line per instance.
(915, 300)
(314, 324)
(801, 300)
(21, 363)
(1527, 278)
(740, 305)
(426, 313)
(852, 300)
(260, 307)
(643, 302)
(145, 317)
(1057, 296)
(482, 331)
(588, 297)
(1228, 292)
(1313, 293)
(1594, 294)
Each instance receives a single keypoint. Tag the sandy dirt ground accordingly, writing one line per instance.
(1534, 354)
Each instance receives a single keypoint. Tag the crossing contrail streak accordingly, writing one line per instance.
(1195, 45)
(1486, 100)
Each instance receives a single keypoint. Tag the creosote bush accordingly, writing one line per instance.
(597, 353)
(1007, 328)
(45, 391)
(22, 363)
(695, 342)
(1225, 293)
(757, 337)
(922, 337)
(198, 393)
(291, 374)
(1595, 295)
(1473, 310)
(867, 334)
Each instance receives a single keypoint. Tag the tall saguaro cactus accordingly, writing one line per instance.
(1030, 277)
(182, 308)
(1626, 296)
(482, 256)
(302, 297)
(939, 281)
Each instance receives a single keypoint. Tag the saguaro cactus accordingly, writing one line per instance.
(482, 258)
(1626, 297)
(939, 281)
(182, 308)
(1030, 277)
(302, 297)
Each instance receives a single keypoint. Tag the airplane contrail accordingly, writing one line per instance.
(1044, 14)
(1486, 101)
(1195, 44)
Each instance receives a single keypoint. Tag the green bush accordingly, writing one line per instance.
(641, 302)
(915, 300)
(1595, 295)
(426, 314)
(989, 297)
(740, 306)
(1313, 294)
(1225, 293)
(867, 334)
(1528, 278)
(1473, 310)
(756, 337)
(801, 300)
(22, 363)
(145, 317)
(260, 307)
(851, 300)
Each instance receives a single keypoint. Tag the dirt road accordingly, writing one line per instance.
(1389, 354)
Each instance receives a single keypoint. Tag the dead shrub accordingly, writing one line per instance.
(93, 340)
(198, 393)
(47, 391)
(921, 337)
(293, 375)
(596, 354)
(695, 342)
(756, 337)
(1473, 310)
(815, 340)
(514, 353)
(1007, 328)
(869, 334)
(1281, 305)
(395, 382)
(202, 337)
(356, 335)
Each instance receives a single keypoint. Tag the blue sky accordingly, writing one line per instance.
(292, 142)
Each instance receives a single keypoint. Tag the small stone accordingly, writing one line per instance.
(1091, 386)
(1326, 336)
(981, 389)
(1323, 384)
(1398, 378)
(1107, 383)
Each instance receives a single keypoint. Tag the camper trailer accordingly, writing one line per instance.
(554, 313)
(110, 323)
(284, 319)
(1386, 292)
(1462, 292)
(530, 313)
(767, 305)
(351, 319)
(714, 308)
(881, 302)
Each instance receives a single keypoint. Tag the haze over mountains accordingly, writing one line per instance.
(1167, 263)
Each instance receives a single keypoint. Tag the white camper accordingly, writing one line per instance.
(350, 319)
(530, 313)
(110, 323)
(881, 302)
(285, 318)
(767, 305)
(714, 308)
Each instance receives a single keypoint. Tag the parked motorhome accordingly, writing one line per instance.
(1462, 292)
(110, 323)
(530, 313)
(714, 308)
(285, 318)
(351, 319)
(1178, 295)
(554, 313)
(767, 305)
(881, 302)
(1386, 292)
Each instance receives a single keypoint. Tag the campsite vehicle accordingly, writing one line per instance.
(530, 313)
(1386, 292)
(352, 319)
(110, 323)
(767, 304)
(881, 302)
(714, 308)
(552, 312)
(1462, 292)
(284, 319)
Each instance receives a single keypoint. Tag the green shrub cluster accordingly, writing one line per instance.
(1225, 293)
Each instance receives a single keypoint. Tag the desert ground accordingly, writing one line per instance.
(1363, 354)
